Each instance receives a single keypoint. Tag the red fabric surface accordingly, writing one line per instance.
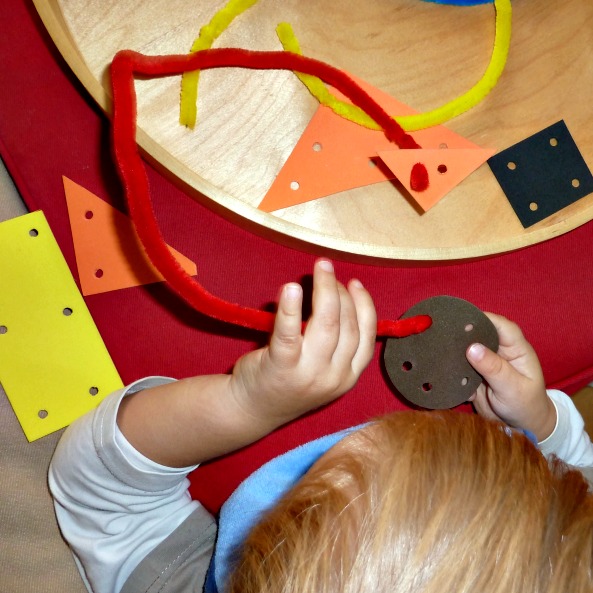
(49, 127)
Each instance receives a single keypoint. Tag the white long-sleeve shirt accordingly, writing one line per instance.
(114, 505)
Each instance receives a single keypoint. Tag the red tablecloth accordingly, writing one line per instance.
(50, 127)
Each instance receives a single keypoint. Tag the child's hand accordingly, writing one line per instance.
(515, 391)
(186, 422)
(299, 372)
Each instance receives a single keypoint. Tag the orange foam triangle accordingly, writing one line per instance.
(334, 154)
(446, 169)
(108, 252)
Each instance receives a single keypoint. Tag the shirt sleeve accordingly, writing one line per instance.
(113, 504)
(569, 441)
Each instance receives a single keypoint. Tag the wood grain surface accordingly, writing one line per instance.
(421, 53)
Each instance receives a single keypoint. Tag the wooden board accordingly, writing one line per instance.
(421, 53)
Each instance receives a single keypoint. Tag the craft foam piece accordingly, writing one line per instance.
(54, 365)
(108, 252)
(431, 369)
(335, 155)
(446, 168)
(542, 174)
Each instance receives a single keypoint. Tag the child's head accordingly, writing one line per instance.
(442, 502)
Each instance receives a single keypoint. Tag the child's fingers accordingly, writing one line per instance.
(323, 329)
(497, 372)
(349, 336)
(482, 405)
(515, 348)
(367, 325)
(509, 333)
(286, 339)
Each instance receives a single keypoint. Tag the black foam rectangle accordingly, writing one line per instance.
(542, 174)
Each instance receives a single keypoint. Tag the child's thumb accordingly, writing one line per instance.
(497, 372)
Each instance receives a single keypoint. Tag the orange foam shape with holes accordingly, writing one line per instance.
(446, 169)
(335, 155)
(109, 255)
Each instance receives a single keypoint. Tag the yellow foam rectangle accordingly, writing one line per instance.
(54, 365)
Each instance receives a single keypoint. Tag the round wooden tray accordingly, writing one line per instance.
(420, 53)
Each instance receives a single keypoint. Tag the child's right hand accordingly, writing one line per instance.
(187, 422)
(514, 390)
(298, 372)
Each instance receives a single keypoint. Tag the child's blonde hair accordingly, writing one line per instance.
(432, 502)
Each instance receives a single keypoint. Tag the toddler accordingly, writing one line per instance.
(414, 501)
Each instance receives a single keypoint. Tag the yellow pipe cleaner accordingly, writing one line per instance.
(207, 36)
(410, 123)
(420, 121)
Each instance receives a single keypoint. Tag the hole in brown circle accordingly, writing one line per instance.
(407, 366)
(426, 387)
(469, 327)
(464, 381)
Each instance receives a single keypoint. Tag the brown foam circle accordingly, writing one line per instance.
(430, 369)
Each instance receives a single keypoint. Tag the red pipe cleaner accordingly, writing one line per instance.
(125, 65)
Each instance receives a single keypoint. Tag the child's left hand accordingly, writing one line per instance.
(514, 391)
(297, 371)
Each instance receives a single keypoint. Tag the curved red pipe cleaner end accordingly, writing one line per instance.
(125, 65)
(419, 178)
(403, 327)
